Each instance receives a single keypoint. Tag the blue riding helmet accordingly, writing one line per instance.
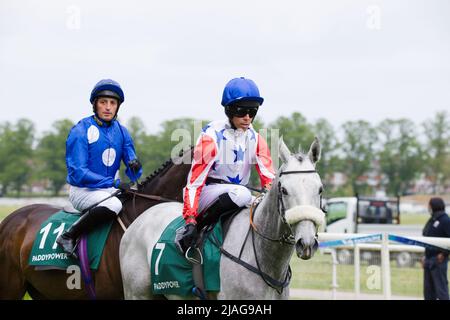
(240, 89)
(107, 87)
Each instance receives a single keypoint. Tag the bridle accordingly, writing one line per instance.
(288, 236)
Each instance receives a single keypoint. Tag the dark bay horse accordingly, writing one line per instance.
(18, 231)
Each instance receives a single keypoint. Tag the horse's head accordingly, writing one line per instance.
(299, 196)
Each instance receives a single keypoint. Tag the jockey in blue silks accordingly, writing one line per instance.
(94, 148)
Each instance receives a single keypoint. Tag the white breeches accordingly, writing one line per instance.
(82, 198)
(240, 195)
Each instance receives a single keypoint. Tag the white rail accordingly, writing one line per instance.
(385, 245)
(325, 236)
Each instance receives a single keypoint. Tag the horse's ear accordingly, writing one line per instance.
(283, 151)
(314, 151)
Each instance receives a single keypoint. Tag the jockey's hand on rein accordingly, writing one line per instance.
(135, 165)
(122, 186)
(266, 188)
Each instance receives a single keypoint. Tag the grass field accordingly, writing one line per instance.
(414, 218)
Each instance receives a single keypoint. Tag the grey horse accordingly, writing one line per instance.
(286, 221)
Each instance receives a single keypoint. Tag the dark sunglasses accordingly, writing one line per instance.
(241, 112)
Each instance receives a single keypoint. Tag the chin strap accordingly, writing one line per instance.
(231, 123)
(103, 122)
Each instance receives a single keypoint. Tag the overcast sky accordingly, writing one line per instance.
(340, 60)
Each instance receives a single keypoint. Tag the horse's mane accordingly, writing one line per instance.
(155, 173)
(161, 170)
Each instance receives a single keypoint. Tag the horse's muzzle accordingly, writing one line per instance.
(306, 249)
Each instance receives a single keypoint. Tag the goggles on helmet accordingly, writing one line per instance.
(242, 111)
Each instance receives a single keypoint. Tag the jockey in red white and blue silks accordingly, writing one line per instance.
(223, 157)
(225, 154)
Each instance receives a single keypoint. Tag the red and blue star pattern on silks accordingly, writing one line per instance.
(227, 154)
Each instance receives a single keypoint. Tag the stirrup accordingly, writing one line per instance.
(193, 259)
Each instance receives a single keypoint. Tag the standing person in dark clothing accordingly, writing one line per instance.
(435, 263)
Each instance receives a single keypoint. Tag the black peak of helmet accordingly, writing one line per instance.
(108, 94)
(245, 103)
(107, 85)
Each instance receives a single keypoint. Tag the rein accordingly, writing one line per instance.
(285, 238)
(150, 196)
(273, 283)
(147, 196)
(142, 195)
(147, 180)
(288, 237)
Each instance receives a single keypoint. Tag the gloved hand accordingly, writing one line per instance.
(135, 166)
(122, 186)
(186, 237)
(266, 188)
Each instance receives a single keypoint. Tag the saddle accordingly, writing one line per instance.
(194, 254)
(45, 254)
(198, 276)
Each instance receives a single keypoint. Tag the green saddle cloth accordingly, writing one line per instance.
(171, 272)
(46, 252)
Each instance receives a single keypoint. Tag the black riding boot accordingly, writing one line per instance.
(222, 205)
(85, 224)
(187, 237)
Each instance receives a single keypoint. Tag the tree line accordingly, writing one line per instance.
(398, 151)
